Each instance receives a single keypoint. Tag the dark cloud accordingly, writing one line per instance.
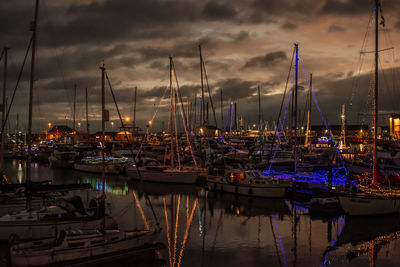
(135, 38)
(355, 93)
(268, 60)
(184, 49)
(156, 92)
(296, 9)
(242, 36)
(288, 26)
(217, 11)
(335, 28)
(339, 7)
(235, 88)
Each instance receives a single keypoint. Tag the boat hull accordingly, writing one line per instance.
(265, 190)
(19, 204)
(176, 177)
(110, 169)
(80, 255)
(30, 230)
(361, 205)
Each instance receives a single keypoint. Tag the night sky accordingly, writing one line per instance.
(244, 43)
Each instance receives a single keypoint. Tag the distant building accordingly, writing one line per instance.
(59, 132)
(336, 130)
(207, 131)
(394, 126)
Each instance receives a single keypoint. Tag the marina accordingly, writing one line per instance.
(182, 152)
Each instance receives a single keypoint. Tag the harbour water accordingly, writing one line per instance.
(201, 228)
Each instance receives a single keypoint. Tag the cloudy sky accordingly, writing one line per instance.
(244, 43)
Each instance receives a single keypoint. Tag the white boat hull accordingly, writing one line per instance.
(177, 177)
(369, 206)
(65, 255)
(265, 190)
(29, 230)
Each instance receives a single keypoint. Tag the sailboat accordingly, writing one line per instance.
(373, 199)
(72, 246)
(170, 174)
(248, 183)
(302, 181)
(46, 222)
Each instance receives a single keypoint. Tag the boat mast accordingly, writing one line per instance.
(309, 114)
(195, 112)
(295, 108)
(31, 84)
(375, 171)
(103, 163)
(87, 115)
(134, 108)
(188, 113)
(259, 109)
(16, 133)
(171, 113)
(73, 124)
(3, 107)
(343, 116)
(203, 111)
(307, 142)
(222, 114)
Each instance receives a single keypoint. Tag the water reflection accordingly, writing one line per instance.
(202, 228)
(365, 237)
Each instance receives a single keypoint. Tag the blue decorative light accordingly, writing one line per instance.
(280, 242)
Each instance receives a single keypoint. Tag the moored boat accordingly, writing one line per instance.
(46, 222)
(113, 165)
(75, 246)
(248, 183)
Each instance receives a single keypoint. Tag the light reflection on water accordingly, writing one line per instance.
(203, 228)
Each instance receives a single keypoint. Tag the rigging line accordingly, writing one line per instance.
(16, 87)
(323, 119)
(182, 109)
(167, 232)
(391, 92)
(146, 224)
(209, 94)
(176, 228)
(185, 237)
(280, 241)
(152, 210)
(123, 126)
(228, 117)
(275, 243)
(283, 98)
(188, 140)
(333, 244)
(282, 124)
(176, 127)
(368, 102)
(361, 57)
(152, 119)
(179, 91)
